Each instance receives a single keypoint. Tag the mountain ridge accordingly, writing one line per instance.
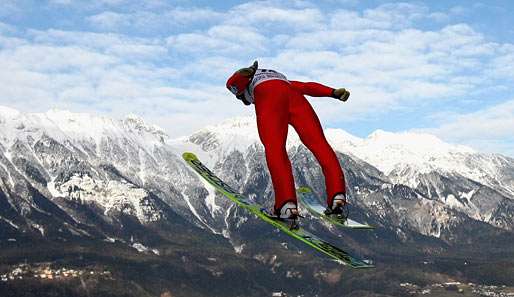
(122, 165)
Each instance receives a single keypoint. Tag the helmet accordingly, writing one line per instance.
(238, 82)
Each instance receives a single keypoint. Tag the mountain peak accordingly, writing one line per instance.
(138, 123)
(240, 122)
(64, 124)
(414, 142)
(7, 112)
(135, 118)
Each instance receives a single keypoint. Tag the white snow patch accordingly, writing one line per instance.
(210, 200)
(10, 222)
(39, 228)
(386, 186)
(52, 189)
(239, 249)
(142, 248)
(451, 201)
(11, 181)
(468, 195)
(225, 232)
(8, 155)
(112, 195)
(241, 220)
(193, 210)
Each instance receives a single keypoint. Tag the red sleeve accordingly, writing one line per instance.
(312, 89)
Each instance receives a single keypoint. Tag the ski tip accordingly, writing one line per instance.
(189, 156)
(363, 227)
(304, 190)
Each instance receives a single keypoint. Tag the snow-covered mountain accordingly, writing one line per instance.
(65, 175)
(478, 184)
(406, 156)
(76, 174)
(446, 180)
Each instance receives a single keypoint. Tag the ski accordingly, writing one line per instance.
(300, 234)
(307, 198)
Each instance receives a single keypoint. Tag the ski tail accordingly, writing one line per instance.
(309, 200)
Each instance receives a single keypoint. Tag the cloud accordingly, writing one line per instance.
(389, 70)
(107, 73)
(488, 129)
(103, 4)
(169, 62)
(396, 15)
(153, 21)
(221, 40)
(6, 28)
(493, 122)
(61, 2)
(502, 66)
(389, 16)
(274, 16)
(116, 45)
(110, 20)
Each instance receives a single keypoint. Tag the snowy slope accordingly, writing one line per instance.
(68, 153)
(414, 154)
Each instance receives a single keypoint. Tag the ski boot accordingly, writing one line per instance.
(339, 209)
(288, 213)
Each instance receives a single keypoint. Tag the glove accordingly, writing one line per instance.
(249, 71)
(341, 94)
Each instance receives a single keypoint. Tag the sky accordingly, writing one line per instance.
(442, 67)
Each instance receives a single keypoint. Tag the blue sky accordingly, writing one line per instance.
(444, 67)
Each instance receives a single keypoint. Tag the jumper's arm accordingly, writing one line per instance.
(312, 89)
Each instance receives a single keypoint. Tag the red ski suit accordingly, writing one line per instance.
(278, 104)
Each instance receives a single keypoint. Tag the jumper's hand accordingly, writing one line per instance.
(249, 71)
(341, 94)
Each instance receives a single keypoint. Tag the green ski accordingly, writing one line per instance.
(308, 199)
(301, 234)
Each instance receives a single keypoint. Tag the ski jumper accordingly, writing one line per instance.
(279, 103)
